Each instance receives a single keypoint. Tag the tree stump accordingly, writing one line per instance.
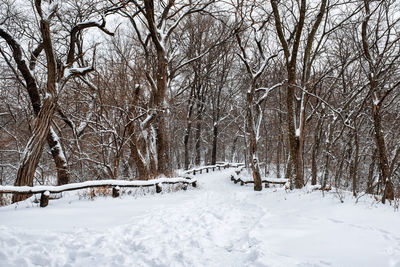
(44, 199)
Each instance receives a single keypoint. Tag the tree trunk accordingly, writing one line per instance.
(198, 143)
(314, 165)
(354, 164)
(234, 159)
(34, 148)
(188, 130)
(34, 96)
(388, 192)
(315, 150)
(278, 158)
(214, 144)
(295, 166)
(58, 156)
(254, 164)
(135, 158)
(161, 125)
(186, 144)
(370, 181)
(329, 144)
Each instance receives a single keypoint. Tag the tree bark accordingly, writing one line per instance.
(214, 144)
(34, 148)
(253, 159)
(198, 141)
(58, 156)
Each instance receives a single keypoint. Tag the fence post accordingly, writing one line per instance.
(44, 199)
(206, 170)
(194, 172)
(158, 188)
(115, 191)
(184, 186)
(194, 184)
(201, 171)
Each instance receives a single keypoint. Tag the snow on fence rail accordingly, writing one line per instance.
(214, 167)
(45, 191)
(236, 179)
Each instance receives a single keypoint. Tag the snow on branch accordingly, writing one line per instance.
(77, 71)
(266, 92)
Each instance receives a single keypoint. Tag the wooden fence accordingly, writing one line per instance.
(45, 191)
(218, 167)
(266, 181)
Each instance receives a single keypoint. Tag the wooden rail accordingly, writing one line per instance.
(45, 191)
(266, 182)
(214, 167)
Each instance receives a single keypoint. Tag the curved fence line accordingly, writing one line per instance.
(45, 191)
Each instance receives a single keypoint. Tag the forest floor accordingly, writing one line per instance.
(217, 224)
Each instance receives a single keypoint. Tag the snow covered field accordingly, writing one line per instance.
(217, 224)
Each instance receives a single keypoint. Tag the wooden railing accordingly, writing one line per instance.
(45, 191)
(214, 168)
(236, 179)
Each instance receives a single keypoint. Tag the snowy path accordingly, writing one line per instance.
(218, 224)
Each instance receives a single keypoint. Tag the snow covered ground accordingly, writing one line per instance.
(217, 224)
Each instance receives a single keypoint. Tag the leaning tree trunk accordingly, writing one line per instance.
(34, 148)
(34, 96)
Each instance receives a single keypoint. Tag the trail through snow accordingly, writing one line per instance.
(217, 224)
